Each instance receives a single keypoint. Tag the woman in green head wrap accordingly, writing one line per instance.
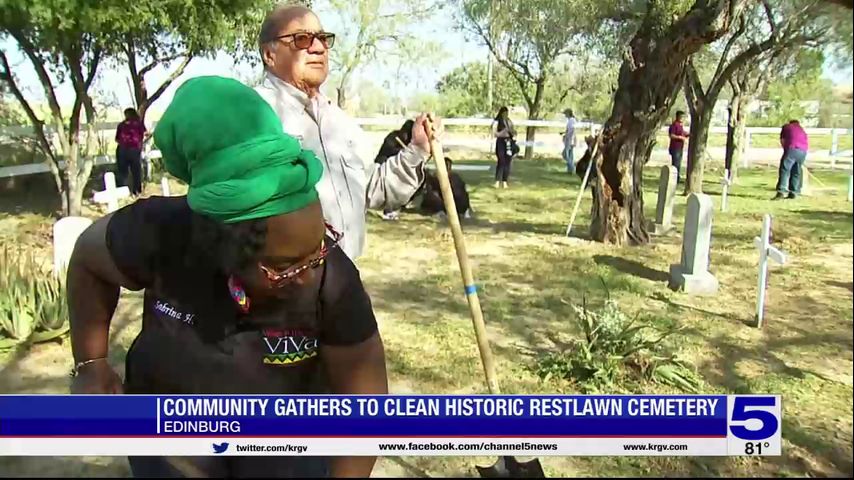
(245, 288)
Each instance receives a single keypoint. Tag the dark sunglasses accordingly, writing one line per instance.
(304, 40)
(279, 278)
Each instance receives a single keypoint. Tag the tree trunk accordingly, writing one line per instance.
(74, 189)
(697, 140)
(342, 101)
(617, 212)
(534, 114)
(651, 75)
(735, 133)
(740, 137)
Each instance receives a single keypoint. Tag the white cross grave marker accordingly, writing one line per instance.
(111, 194)
(726, 182)
(164, 185)
(766, 251)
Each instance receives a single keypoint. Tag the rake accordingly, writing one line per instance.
(506, 466)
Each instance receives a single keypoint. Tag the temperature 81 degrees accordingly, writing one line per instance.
(754, 424)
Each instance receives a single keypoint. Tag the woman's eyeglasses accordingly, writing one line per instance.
(304, 40)
(279, 278)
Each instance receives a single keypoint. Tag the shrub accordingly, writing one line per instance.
(615, 350)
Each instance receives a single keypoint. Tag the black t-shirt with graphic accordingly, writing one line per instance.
(196, 340)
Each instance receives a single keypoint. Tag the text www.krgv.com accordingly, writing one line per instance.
(655, 447)
(450, 447)
(272, 448)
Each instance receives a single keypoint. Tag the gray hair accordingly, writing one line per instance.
(278, 17)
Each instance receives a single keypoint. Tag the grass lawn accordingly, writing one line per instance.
(529, 274)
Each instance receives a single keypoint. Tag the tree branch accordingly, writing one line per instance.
(769, 13)
(739, 61)
(691, 93)
(510, 65)
(38, 125)
(692, 80)
(162, 61)
(44, 78)
(742, 27)
(171, 78)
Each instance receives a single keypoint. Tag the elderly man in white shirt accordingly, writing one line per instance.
(295, 51)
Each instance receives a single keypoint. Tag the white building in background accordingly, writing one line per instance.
(760, 107)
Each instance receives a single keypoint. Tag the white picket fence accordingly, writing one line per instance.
(481, 140)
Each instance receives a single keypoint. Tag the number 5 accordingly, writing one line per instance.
(740, 413)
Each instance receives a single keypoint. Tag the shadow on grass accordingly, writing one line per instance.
(726, 316)
(846, 285)
(59, 382)
(631, 267)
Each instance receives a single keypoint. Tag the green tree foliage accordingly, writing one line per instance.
(767, 28)
(10, 112)
(654, 61)
(528, 39)
(67, 41)
(64, 41)
(464, 91)
(370, 31)
(164, 33)
(790, 93)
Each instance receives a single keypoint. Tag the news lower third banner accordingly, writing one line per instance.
(392, 425)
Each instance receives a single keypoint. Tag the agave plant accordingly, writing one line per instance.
(612, 348)
(33, 305)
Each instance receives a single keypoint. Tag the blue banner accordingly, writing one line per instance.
(699, 416)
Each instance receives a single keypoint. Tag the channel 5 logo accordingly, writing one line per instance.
(754, 417)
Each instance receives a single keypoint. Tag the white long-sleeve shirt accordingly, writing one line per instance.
(350, 183)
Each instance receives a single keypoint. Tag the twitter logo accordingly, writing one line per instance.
(221, 448)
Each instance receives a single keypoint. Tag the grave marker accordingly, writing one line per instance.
(692, 274)
(664, 206)
(766, 251)
(65, 234)
(111, 195)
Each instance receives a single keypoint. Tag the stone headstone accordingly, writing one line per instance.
(691, 274)
(664, 206)
(65, 233)
(111, 195)
(164, 185)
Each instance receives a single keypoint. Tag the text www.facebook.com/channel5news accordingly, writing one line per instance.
(393, 447)
(448, 447)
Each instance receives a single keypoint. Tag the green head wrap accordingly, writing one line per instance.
(226, 142)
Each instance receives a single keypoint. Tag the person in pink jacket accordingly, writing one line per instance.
(795, 145)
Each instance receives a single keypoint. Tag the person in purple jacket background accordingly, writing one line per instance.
(130, 134)
(678, 136)
(795, 145)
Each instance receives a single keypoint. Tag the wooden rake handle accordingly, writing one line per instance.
(463, 259)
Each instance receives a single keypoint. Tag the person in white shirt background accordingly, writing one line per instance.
(295, 51)
(569, 141)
